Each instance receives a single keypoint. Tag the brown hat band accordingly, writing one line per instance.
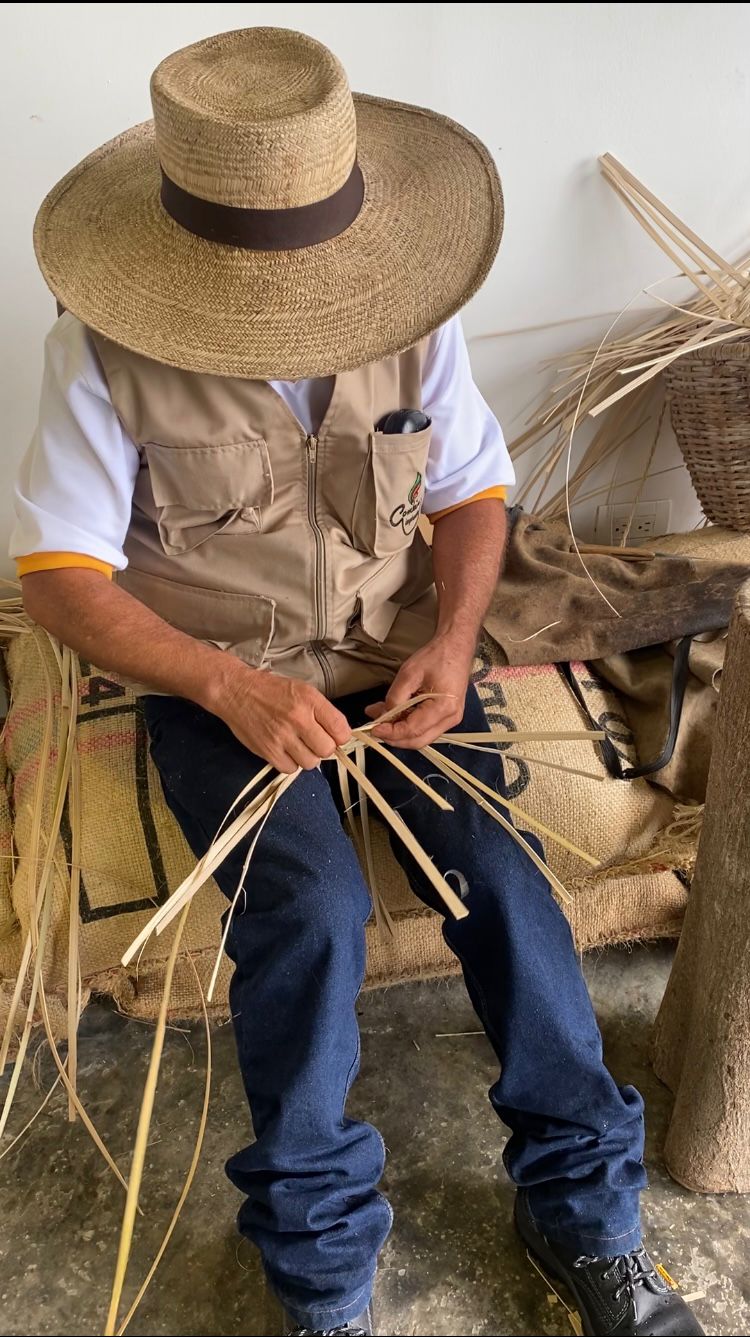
(266, 229)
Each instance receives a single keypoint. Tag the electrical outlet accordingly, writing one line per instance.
(647, 520)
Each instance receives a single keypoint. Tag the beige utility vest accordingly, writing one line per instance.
(298, 553)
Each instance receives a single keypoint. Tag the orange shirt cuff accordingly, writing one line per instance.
(58, 561)
(490, 493)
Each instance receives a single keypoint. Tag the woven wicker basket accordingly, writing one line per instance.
(709, 398)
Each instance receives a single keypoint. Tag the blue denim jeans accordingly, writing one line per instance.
(310, 1178)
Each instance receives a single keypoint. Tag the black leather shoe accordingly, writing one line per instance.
(622, 1296)
(356, 1327)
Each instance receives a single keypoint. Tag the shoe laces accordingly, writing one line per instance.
(634, 1269)
(343, 1330)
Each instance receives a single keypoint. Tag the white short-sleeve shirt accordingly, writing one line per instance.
(74, 490)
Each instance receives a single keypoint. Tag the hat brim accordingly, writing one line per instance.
(421, 246)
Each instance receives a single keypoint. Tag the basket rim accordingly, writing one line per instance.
(737, 349)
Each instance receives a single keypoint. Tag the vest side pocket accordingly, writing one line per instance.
(390, 496)
(201, 491)
(241, 623)
(375, 609)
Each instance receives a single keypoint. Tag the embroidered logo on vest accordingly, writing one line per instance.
(406, 516)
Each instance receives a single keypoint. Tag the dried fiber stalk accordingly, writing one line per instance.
(41, 904)
(241, 882)
(216, 853)
(199, 1139)
(411, 775)
(589, 377)
(446, 893)
(383, 918)
(519, 812)
(526, 736)
(261, 805)
(465, 782)
(141, 1140)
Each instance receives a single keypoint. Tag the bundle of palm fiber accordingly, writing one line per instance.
(617, 380)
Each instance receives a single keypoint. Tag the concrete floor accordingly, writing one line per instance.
(453, 1264)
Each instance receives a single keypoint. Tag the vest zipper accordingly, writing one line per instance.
(320, 565)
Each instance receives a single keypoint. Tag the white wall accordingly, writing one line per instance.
(666, 87)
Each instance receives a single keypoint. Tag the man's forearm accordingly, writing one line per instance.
(467, 553)
(117, 632)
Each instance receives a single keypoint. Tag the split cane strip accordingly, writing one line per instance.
(285, 783)
(524, 817)
(141, 1140)
(70, 688)
(526, 736)
(34, 844)
(454, 905)
(531, 761)
(193, 1163)
(411, 775)
(383, 920)
(456, 775)
(203, 870)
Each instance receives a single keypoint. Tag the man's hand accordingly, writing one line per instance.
(284, 721)
(442, 666)
(467, 550)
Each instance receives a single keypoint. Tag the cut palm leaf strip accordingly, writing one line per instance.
(216, 853)
(411, 775)
(451, 900)
(526, 736)
(383, 921)
(524, 817)
(256, 812)
(249, 787)
(283, 786)
(75, 817)
(533, 761)
(200, 1136)
(587, 376)
(42, 901)
(457, 776)
(231, 835)
(141, 1140)
(551, 765)
(361, 839)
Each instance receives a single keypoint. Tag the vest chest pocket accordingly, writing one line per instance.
(202, 491)
(389, 501)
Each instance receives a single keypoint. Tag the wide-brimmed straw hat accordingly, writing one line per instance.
(267, 223)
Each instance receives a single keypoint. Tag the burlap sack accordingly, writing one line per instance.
(548, 606)
(133, 854)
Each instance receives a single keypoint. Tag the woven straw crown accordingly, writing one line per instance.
(268, 223)
(261, 118)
